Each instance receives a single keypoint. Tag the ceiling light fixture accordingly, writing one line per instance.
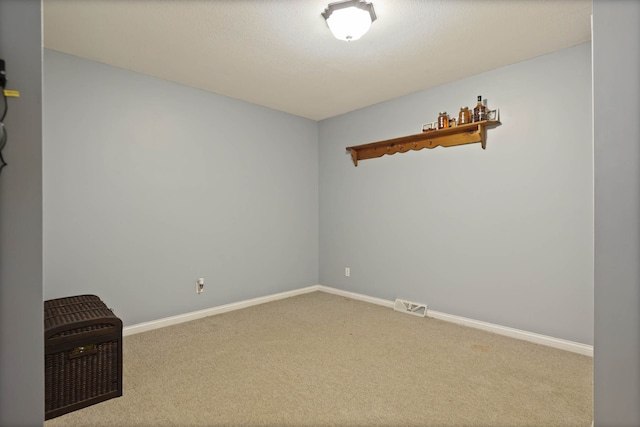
(349, 20)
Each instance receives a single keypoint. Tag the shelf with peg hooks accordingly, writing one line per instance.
(459, 135)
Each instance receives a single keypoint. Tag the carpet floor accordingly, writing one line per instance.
(324, 360)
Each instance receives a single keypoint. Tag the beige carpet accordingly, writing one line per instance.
(319, 359)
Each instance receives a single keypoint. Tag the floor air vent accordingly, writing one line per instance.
(410, 307)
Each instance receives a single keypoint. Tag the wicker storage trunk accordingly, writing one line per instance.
(83, 354)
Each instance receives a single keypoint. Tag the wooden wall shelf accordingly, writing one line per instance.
(459, 135)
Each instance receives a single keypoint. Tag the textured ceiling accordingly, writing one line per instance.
(280, 53)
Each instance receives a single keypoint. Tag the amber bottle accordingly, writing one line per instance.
(443, 120)
(464, 117)
(480, 111)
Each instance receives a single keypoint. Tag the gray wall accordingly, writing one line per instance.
(617, 212)
(616, 284)
(150, 185)
(21, 324)
(503, 235)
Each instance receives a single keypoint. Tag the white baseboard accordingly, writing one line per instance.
(575, 347)
(572, 346)
(359, 297)
(181, 318)
(559, 343)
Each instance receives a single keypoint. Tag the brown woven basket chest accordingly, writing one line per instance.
(82, 355)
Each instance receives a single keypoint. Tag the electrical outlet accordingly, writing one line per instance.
(347, 272)
(200, 285)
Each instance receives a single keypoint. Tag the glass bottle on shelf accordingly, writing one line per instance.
(464, 117)
(443, 120)
(480, 111)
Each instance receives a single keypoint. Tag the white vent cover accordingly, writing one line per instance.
(409, 307)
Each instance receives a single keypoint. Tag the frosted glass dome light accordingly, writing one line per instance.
(349, 20)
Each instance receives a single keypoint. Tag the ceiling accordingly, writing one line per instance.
(280, 53)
